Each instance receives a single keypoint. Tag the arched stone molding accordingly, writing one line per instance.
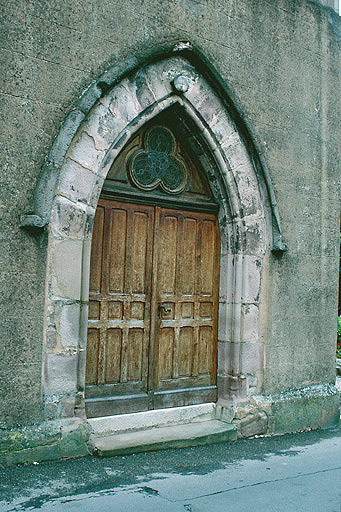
(246, 217)
(39, 212)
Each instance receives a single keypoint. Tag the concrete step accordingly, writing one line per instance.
(161, 438)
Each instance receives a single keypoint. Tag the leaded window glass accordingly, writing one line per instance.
(156, 164)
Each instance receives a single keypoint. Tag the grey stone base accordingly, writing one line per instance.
(48, 441)
(306, 408)
(162, 438)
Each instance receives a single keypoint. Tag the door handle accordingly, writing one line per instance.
(163, 309)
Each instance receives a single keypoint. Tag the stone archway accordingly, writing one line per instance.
(246, 219)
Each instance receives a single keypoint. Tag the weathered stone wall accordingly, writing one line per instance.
(281, 63)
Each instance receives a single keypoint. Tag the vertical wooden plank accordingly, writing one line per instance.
(102, 345)
(154, 344)
(148, 312)
(185, 351)
(195, 357)
(92, 356)
(174, 355)
(93, 313)
(124, 355)
(198, 258)
(113, 355)
(166, 341)
(205, 349)
(138, 259)
(185, 348)
(178, 252)
(188, 255)
(97, 251)
(117, 252)
(129, 249)
(135, 345)
(106, 243)
(167, 253)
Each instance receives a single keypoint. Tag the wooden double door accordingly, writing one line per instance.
(152, 328)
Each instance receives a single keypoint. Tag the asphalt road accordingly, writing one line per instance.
(300, 472)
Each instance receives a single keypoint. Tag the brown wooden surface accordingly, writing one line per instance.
(137, 356)
(187, 253)
(119, 300)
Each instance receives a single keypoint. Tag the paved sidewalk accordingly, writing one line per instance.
(300, 472)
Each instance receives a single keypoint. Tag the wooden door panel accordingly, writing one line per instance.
(96, 251)
(166, 239)
(113, 355)
(140, 241)
(181, 384)
(119, 404)
(116, 251)
(119, 306)
(187, 310)
(204, 352)
(136, 358)
(185, 396)
(135, 355)
(166, 346)
(184, 353)
(93, 312)
(187, 252)
(188, 256)
(115, 310)
(92, 356)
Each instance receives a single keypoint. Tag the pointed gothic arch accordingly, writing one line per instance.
(248, 220)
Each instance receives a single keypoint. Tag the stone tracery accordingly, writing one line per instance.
(157, 165)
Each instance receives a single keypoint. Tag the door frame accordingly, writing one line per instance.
(122, 397)
(245, 219)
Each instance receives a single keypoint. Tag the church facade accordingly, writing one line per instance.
(170, 220)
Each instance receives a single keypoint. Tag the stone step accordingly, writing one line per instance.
(161, 438)
(123, 423)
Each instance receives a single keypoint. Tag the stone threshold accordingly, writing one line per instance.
(158, 430)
